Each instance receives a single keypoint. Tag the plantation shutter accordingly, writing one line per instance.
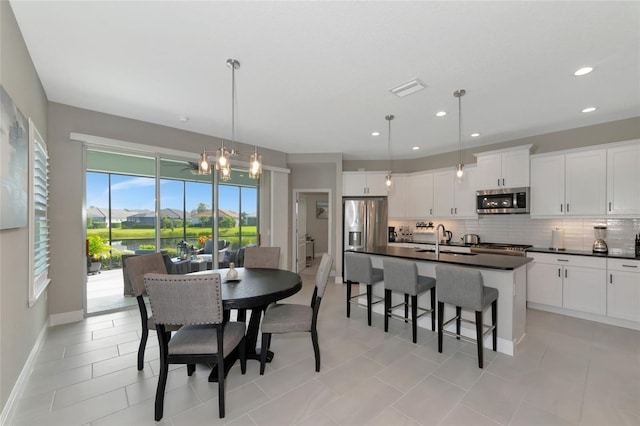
(39, 219)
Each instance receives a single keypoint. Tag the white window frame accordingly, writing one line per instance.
(38, 158)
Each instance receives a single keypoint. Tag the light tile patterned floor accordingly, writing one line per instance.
(568, 372)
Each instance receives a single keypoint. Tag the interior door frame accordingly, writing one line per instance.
(330, 233)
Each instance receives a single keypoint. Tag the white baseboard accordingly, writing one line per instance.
(8, 410)
(66, 317)
(585, 315)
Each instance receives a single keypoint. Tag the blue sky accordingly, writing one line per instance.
(133, 192)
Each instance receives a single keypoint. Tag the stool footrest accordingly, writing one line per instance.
(424, 312)
(374, 299)
(487, 329)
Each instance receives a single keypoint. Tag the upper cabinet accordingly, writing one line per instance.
(420, 196)
(452, 197)
(623, 180)
(366, 184)
(570, 184)
(397, 197)
(507, 168)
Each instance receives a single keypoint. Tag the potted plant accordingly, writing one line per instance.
(97, 249)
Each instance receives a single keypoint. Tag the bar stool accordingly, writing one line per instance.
(402, 276)
(358, 270)
(465, 288)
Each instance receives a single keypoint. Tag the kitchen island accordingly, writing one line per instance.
(508, 274)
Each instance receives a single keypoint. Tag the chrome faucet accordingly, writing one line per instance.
(438, 238)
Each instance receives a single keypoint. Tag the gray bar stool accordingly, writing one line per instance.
(358, 270)
(402, 276)
(464, 288)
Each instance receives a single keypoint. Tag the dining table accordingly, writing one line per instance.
(254, 289)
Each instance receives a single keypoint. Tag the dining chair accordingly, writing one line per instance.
(195, 302)
(464, 288)
(137, 267)
(262, 257)
(292, 318)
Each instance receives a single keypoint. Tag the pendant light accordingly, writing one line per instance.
(223, 155)
(388, 177)
(459, 168)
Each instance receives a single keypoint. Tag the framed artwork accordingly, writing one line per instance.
(322, 209)
(14, 155)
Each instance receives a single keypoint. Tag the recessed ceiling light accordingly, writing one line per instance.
(415, 148)
(441, 113)
(475, 135)
(407, 88)
(583, 71)
(183, 118)
(590, 109)
(375, 134)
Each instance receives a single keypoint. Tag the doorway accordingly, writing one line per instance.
(313, 215)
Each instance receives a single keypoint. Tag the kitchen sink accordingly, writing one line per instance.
(445, 252)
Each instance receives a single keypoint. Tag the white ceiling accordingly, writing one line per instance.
(314, 76)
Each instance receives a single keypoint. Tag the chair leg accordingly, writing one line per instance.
(494, 320)
(141, 348)
(458, 318)
(440, 320)
(316, 348)
(221, 386)
(266, 339)
(369, 302)
(406, 308)
(387, 306)
(243, 355)
(479, 337)
(162, 382)
(191, 368)
(242, 315)
(433, 309)
(414, 317)
(348, 299)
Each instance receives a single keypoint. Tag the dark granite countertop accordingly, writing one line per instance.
(478, 260)
(614, 254)
(450, 244)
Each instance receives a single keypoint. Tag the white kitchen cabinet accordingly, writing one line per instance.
(397, 197)
(623, 289)
(454, 198)
(420, 196)
(572, 282)
(623, 180)
(508, 168)
(364, 184)
(569, 184)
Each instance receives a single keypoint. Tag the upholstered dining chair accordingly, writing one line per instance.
(137, 267)
(262, 257)
(195, 302)
(291, 318)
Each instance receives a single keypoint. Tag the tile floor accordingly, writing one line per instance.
(567, 372)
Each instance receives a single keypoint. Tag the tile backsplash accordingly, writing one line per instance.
(521, 229)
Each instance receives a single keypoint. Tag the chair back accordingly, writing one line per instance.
(185, 299)
(400, 275)
(137, 266)
(322, 276)
(262, 257)
(460, 287)
(357, 268)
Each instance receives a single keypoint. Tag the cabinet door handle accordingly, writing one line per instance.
(559, 273)
(609, 205)
(610, 278)
(560, 208)
(630, 266)
(456, 210)
(565, 273)
(498, 181)
(567, 207)
(430, 211)
(562, 260)
(502, 181)
(451, 210)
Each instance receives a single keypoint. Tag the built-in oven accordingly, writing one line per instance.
(503, 201)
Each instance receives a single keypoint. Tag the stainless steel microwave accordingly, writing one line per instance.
(503, 201)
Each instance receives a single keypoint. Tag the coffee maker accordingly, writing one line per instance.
(600, 244)
(392, 234)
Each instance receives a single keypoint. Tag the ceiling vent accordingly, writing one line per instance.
(407, 88)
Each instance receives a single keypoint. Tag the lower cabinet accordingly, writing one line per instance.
(623, 289)
(572, 282)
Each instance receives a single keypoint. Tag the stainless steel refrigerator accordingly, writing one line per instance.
(364, 222)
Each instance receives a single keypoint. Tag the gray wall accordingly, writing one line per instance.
(19, 78)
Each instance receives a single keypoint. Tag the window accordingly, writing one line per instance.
(38, 214)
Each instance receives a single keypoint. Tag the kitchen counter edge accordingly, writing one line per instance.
(614, 255)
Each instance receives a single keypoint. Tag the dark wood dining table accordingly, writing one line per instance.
(254, 290)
